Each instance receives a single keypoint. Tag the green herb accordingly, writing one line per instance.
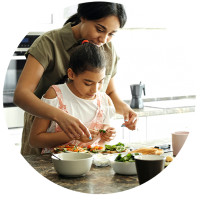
(102, 130)
(75, 147)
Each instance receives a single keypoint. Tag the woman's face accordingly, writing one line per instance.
(99, 31)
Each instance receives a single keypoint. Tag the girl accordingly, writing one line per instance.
(48, 61)
(81, 98)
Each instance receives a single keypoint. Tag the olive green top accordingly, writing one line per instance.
(53, 49)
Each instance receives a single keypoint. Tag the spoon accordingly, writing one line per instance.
(56, 157)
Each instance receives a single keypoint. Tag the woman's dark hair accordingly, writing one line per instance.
(87, 57)
(98, 10)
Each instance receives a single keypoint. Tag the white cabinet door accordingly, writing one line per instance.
(124, 135)
(161, 126)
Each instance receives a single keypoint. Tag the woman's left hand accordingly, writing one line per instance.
(130, 118)
(109, 134)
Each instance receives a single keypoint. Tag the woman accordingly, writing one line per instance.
(48, 59)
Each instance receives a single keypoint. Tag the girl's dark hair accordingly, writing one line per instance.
(87, 57)
(98, 10)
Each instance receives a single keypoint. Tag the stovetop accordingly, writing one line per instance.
(166, 147)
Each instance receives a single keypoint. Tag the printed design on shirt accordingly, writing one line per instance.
(96, 123)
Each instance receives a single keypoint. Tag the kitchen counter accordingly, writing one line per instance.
(99, 180)
(152, 111)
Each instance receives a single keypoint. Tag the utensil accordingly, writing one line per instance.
(56, 157)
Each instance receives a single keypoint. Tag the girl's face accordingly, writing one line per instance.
(87, 84)
(99, 31)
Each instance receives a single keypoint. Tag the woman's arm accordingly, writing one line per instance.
(121, 107)
(25, 98)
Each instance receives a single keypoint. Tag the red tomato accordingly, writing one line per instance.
(100, 147)
(89, 146)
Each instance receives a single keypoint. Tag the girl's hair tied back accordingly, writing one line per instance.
(84, 41)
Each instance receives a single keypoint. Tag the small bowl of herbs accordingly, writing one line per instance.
(124, 163)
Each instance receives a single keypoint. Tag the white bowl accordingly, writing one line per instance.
(125, 168)
(72, 164)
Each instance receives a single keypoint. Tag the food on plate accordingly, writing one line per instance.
(95, 149)
(127, 158)
(119, 147)
(69, 148)
(148, 151)
(168, 160)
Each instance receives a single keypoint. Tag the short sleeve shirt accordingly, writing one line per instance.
(53, 49)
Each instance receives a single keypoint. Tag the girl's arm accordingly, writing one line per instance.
(39, 138)
(25, 98)
(121, 107)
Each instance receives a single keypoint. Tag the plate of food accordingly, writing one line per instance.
(78, 149)
(107, 149)
(148, 151)
(69, 148)
(117, 148)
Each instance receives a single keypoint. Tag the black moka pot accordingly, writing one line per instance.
(136, 91)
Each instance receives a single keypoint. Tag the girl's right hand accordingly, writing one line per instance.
(72, 126)
(94, 134)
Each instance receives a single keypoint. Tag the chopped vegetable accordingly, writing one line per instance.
(114, 147)
(127, 158)
(120, 148)
(102, 130)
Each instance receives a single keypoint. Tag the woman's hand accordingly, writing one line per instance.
(109, 135)
(130, 118)
(84, 138)
(72, 126)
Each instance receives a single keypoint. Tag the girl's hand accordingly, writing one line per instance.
(84, 138)
(109, 135)
(130, 118)
(72, 126)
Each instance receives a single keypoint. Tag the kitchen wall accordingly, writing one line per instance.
(158, 59)
(148, 52)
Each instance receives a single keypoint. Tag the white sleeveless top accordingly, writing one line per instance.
(77, 107)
